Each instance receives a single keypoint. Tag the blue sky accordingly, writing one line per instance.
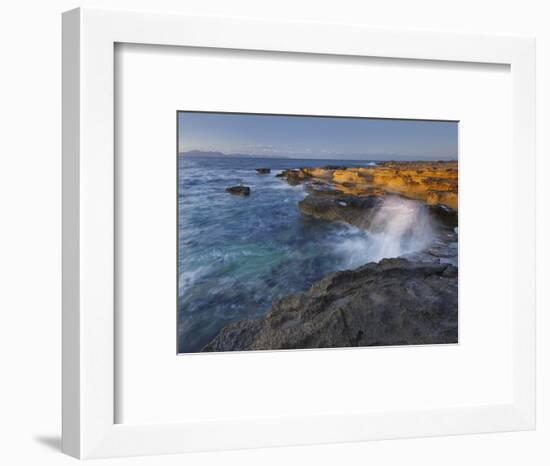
(317, 137)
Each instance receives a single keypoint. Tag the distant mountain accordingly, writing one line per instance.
(203, 153)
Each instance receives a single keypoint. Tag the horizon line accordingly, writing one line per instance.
(393, 157)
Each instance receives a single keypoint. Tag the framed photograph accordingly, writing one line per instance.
(293, 233)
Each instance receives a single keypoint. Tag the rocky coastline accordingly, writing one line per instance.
(391, 302)
(412, 299)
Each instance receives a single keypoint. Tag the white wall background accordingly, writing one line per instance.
(30, 226)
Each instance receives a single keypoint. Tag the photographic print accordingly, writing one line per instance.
(304, 232)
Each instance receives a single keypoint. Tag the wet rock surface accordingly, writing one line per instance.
(238, 190)
(392, 302)
(294, 176)
(333, 206)
(444, 215)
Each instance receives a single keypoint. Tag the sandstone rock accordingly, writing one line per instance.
(315, 172)
(447, 198)
(431, 182)
(238, 190)
(263, 171)
(393, 302)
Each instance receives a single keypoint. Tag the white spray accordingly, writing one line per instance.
(400, 226)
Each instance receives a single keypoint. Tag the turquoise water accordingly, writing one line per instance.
(237, 254)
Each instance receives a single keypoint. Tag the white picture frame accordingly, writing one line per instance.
(89, 38)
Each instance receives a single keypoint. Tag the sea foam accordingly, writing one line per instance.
(400, 226)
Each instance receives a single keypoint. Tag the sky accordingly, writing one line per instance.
(317, 137)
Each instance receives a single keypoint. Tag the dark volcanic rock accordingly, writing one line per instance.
(335, 167)
(393, 302)
(238, 190)
(355, 210)
(445, 215)
(320, 188)
(263, 171)
(294, 176)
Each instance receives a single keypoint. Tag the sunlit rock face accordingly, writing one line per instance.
(431, 182)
